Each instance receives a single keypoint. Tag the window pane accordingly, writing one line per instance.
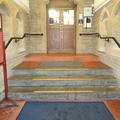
(71, 21)
(71, 13)
(54, 13)
(66, 21)
(53, 20)
(66, 13)
(68, 17)
(54, 16)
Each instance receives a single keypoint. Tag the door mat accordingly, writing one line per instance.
(65, 111)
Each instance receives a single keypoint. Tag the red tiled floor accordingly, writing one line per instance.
(29, 64)
(87, 60)
(94, 64)
(114, 108)
(13, 112)
(61, 57)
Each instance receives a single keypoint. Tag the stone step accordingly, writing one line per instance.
(64, 57)
(66, 92)
(62, 72)
(59, 81)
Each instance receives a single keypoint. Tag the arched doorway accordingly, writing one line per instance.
(61, 27)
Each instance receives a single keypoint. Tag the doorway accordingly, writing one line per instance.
(61, 30)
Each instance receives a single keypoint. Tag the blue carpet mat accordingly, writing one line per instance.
(65, 111)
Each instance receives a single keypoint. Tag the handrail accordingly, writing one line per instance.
(105, 38)
(18, 38)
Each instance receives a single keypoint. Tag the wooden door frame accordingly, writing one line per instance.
(74, 25)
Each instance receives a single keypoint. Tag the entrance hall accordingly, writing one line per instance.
(59, 60)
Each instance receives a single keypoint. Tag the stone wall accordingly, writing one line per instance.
(84, 44)
(15, 20)
(38, 23)
(107, 24)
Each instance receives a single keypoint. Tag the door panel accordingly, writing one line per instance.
(69, 42)
(61, 31)
(54, 38)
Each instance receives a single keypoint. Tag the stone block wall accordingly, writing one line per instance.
(84, 44)
(107, 23)
(38, 23)
(15, 20)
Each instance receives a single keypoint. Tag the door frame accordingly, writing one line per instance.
(74, 26)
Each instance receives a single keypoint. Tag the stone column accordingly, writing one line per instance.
(43, 24)
(38, 24)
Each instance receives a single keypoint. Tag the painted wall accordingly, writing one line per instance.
(100, 3)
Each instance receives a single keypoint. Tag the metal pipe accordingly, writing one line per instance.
(18, 38)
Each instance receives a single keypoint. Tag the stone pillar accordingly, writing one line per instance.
(79, 10)
(38, 24)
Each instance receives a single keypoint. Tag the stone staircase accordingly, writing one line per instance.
(63, 82)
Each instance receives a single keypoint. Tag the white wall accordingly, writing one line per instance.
(23, 3)
(100, 3)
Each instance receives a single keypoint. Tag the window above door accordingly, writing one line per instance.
(68, 17)
(54, 17)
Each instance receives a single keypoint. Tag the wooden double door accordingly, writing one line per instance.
(61, 31)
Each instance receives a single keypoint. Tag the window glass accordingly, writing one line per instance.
(54, 17)
(68, 17)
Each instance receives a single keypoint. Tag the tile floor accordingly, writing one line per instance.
(34, 60)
